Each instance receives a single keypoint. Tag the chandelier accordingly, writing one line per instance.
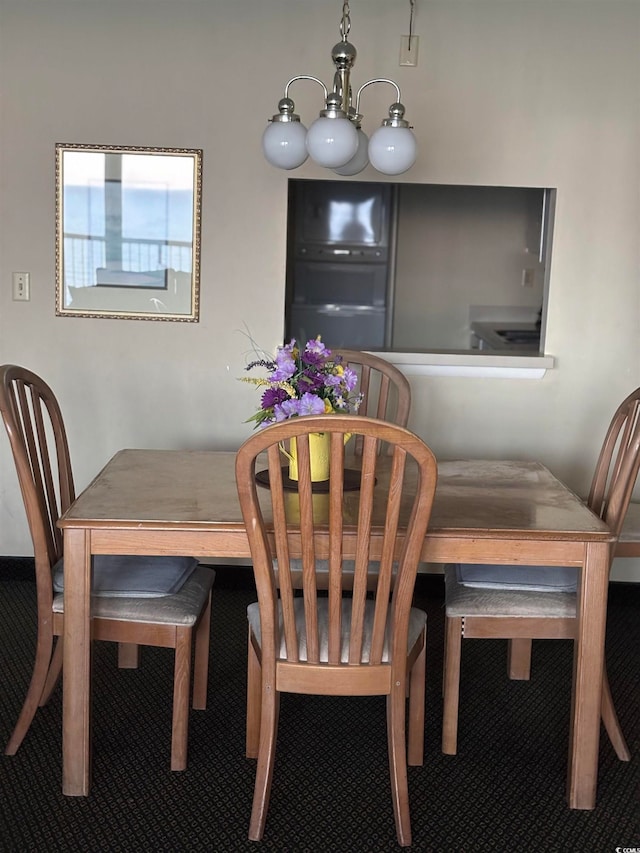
(336, 139)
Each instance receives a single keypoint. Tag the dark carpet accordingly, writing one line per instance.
(504, 791)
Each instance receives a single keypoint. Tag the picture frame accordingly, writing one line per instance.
(128, 232)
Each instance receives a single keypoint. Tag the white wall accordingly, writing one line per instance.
(527, 93)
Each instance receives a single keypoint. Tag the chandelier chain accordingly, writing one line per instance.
(413, 6)
(345, 23)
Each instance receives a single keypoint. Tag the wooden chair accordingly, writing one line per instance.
(522, 603)
(155, 601)
(386, 390)
(386, 396)
(339, 643)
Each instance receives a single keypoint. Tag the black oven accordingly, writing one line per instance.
(337, 263)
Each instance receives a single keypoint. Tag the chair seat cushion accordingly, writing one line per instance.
(179, 608)
(491, 600)
(133, 576)
(417, 621)
(533, 578)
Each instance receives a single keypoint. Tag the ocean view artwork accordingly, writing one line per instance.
(156, 230)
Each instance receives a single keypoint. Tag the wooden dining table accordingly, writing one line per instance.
(485, 511)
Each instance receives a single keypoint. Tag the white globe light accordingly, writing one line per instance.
(283, 144)
(361, 158)
(332, 142)
(392, 150)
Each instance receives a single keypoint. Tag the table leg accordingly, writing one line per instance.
(76, 669)
(588, 660)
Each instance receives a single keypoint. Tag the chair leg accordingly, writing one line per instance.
(254, 697)
(611, 722)
(417, 678)
(519, 659)
(35, 691)
(398, 765)
(266, 757)
(128, 656)
(453, 650)
(181, 684)
(201, 659)
(55, 668)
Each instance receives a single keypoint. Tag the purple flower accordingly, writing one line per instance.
(313, 360)
(315, 354)
(312, 381)
(332, 380)
(316, 346)
(350, 378)
(311, 405)
(285, 364)
(287, 409)
(273, 396)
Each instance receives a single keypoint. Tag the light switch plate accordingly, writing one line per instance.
(409, 50)
(21, 287)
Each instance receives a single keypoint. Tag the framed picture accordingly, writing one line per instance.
(128, 232)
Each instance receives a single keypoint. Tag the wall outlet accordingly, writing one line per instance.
(409, 50)
(21, 287)
(528, 277)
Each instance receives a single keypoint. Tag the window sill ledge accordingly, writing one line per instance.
(470, 364)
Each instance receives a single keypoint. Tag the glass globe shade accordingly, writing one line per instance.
(332, 142)
(361, 158)
(392, 150)
(283, 144)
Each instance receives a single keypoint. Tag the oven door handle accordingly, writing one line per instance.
(347, 310)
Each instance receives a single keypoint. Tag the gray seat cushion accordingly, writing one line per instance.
(417, 621)
(491, 599)
(133, 576)
(533, 578)
(179, 608)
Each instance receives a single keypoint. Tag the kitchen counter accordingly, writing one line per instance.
(503, 336)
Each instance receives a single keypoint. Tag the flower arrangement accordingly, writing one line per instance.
(303, 381)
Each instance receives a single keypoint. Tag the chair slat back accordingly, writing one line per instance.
(617, 467)
(38, 440)
(393, 504)
(386, 390)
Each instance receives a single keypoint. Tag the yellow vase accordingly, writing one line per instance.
(319, 451)
(319, 443)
